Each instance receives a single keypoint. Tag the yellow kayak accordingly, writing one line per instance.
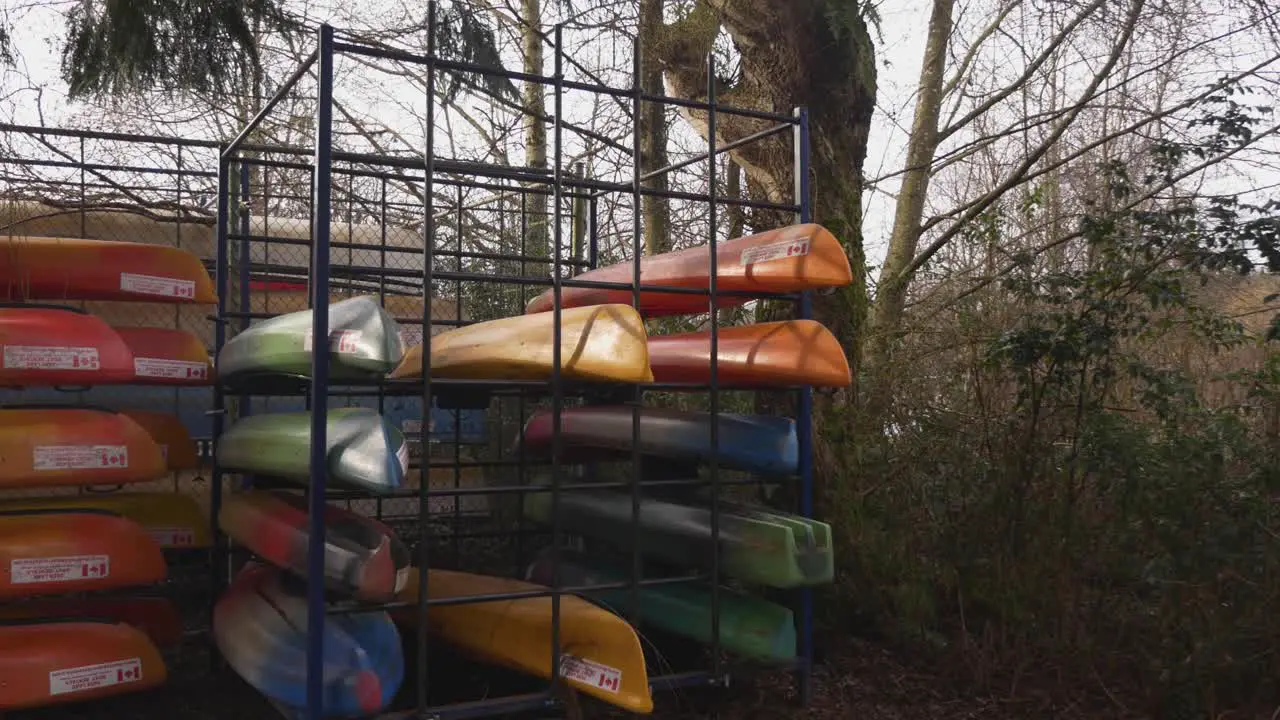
(600, 653)
(175, 521)
(176, 446)
(599, 342)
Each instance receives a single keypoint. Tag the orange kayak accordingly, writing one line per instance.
(41, 268)
(789, 259)
(52, 345)
(165, 356)
(157, 617)
(48, 446)
(48, 663)
(790, 352)
(175, 443)
(51, 552)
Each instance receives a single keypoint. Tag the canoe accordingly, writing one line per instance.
(363, 558)
(60, 346)
(259, 626)
(749, 626)
(600, 653)
(753, 549)
(156, 617)
(50, 552)
(364, 345)
(606, 343)
(175, 521)
(365, 451)
(772, 354)
(49, 663)
(45, 268)
(170, 435)
(789, 259)
(167, 356)
(752, 443)
(47, 446)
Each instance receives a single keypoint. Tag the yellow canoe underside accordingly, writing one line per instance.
(600, 342)
(175, 521)
(600, 653)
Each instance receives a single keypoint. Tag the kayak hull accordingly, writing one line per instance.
(606, 343)
(43, 553)
(600, 653)
(364, 344)
(167, 356)
(50, 663)
(365, 451)
(66, 446)
(53, 346)
(156, 617)
(752, 443)
(45, 268)
(259, 626)
(363, 558)
(173, 520)
(790, 259)
(773, 354)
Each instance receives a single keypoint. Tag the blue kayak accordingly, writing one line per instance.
(260, 624)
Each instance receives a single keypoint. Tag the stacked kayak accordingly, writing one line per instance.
(59, 269)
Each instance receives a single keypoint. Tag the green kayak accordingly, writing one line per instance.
(365, 451)
(756, 547)
(749, 626)
(364, 345)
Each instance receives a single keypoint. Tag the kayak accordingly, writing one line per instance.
(363, 558)
(46, 268)
(762, 549)
(60, 346)
(157, 617)
(789, 352)
(53, 662)
(789, 259)
(605, 343)
(44, 552)
(364, 344)
(175, 521)
(48, 446)
(170, 435)
(749, 626)
(752, 443)
(166, 356)
(365, 451)
(600, 653)
(259, 626)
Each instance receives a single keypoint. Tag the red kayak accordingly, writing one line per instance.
(52, 552)
(53, 662)
(155, 616)
(165, 356)
(42, 268)
(790, 352)
(790, 259)
(60, 446)
(54, 345)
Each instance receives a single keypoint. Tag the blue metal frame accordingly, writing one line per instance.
(804, 409)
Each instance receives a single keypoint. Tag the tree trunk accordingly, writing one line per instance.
(886, 319)
(653, 130)
(536, 239)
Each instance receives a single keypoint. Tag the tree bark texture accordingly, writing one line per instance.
(536, 238)
(653, 130)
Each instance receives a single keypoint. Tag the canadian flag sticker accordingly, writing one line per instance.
(80, 457)
(797, 247)
(591, 673)
(90, 677)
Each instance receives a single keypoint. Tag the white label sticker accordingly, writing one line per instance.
(27, 571)
(89, 677)
(154, 285)
(346, 341)
(775, 250)
(169, 369)
(402, 454)
(402, 579)
(173, 536)
(591, 673)
(79, 457)
(48, 357)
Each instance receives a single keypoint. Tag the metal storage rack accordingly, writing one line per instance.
(327, 166)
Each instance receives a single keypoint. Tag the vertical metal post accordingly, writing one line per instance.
(222, 279)
(715, 364)
(557, 379)
(637, 250)
(320, 218)
(244, 405)
(804, 410)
